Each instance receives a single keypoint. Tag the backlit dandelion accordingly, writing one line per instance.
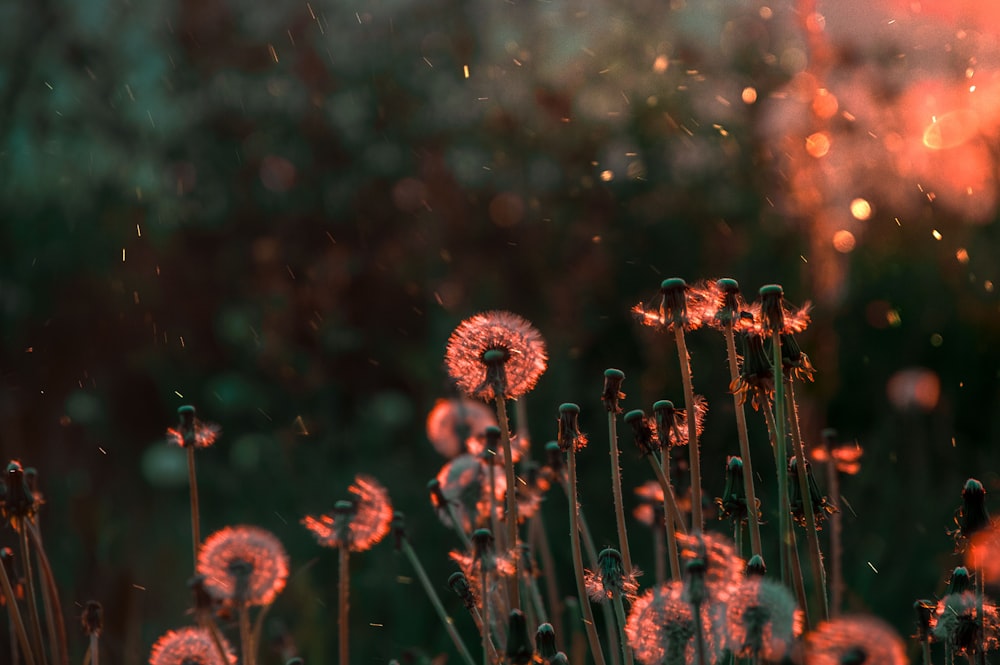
(957, 623)
(190, 646)
(661, 627)
(244, 565)
(455, 426)
(191, 431)
(366, 521)
(762, 620)
(853, 639)
(723, 567)
(495, 352)
(462, 493)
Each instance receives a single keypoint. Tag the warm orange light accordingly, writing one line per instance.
(916, 387)
(749, 95)
(818, 144)
(660, 64)
(861, 209)
(951, 129)
(825, 104)
(843, 241)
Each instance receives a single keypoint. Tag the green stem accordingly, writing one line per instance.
(798, 581)
(784, 514)
(926, 644)
(812, 534)
(697, 521)
(343, 591)
(15, 615)
(195, 517)
(620, 616)
(487, 623)
(244, 619)
(50, 597)
(674, 521)
(581, 590)
(616, 486)
(660, 551)
(741, 430)
(449, 624)
(508, 463)
(699, 630)
(783, 505)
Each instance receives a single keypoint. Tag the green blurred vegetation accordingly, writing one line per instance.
(278, 212)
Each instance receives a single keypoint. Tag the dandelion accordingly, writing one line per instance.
(960, 627)
(755, 380)
(610, 582)
(495, 353)
(455, 426)
(365, 521)
(460, 493)
(191, 434)
(723, 566)
(92, 621)
(762, 620)
(661, 627)
(243, 565)
(853, 640)
(971, 517)
(189, 646)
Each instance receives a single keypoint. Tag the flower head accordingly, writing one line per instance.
(762, 620)
(776, 315)
(644, 432)
(360, 522)
(243, 564)
(192, 432)
(853, 639)
(570, 436)
(189, 646)
(957, 623)
(756, 377)
(455, 426)
(672, 423)
(609, 580)
(679, 305)
(733, 502)
(661, 629)
(494, 353)
(612, 394)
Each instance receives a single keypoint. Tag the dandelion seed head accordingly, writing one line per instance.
(494, 351)
(189, 646)
(661, 629)
(762, 619)
(243, 564)
(848, 637)
(366, 519)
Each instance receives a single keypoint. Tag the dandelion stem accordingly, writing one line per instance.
(741, 430)
(797, 580)
(616, 485)
(245, 648)
(15, 615)
(926, 646)
(484, 586)
(542, 546)
(449, 624)
(195, 518)
(783, 505)
(620, 623)
(53, 607)
(343, 589)
(836, 529)
(581, 590)
(258, 629)
(511, 517)
(94, 652)
(674, 522)
(781, 456)
(697, 522)
(812, 535)
(659, 550)
(29, 592)
(699, 630)
(207, 624)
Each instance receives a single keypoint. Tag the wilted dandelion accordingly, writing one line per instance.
(243, 564)
(853, 639)
(495, 353)
(610, 580)
(971, 517)
(189, 646)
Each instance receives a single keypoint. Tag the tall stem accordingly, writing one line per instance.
(195, 517)
(449, 624)
(581, 589)
(508, 463)
(246, 650)
(741, 431)
(660, 551)
(94, 651)
(782, 503)
(484, 581)
(343, 591)
(673, 522)
(798, 582)
(616, 486)
(812, 535)
(780, 448)
(15, 615)
(29, 592)
(53, 606)
(697, 521)
(620, 623)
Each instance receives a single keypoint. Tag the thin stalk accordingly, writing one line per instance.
(94, 652)
(741, 430)
(50, 598)
(508, 463)
(783, 506)
(620, 623)
(616, 486)
(207, 623)
(484, 585)
(15, 615)
(449, 624)
(258, 629)
(697, 521)
(343, 591)
(581, 590)
(29, 592)
(926, 647)
(660, 552)
(542, 546)
(477, 618)
(13, 641)
(195, 516)
(812, 535)
(457, 524)
(779, 441)
(798, 581)
(699, 630)
(244, 618)
(738, 537)
(673, 521)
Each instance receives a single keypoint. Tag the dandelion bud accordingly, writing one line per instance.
(18, 502)
(668, 421)
(92, 618)
(482, 543)
(519, 648)
(569, 428)
(960, 581)
(492, 442)
(729, 310)
(613, 379)
(645, 439)
(756, 567)
(545, 641)
(674, 292)
(772, 311)
(972, 516)
(554, 457)
(733, 502)
(610, 581)
(459, 583)
(925, 611)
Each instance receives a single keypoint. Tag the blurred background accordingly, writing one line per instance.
(279, 211)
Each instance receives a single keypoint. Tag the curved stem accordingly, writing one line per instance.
(508, 463)
(343, 589)
(616, 486)
(697, 521)
(741, 430)
(581, 590)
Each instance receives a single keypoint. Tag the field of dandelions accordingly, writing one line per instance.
(722, 575)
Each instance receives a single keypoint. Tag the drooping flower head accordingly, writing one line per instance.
(762, 620)
(612, 394)
(191, 432)
(356, 524)
(243, 564)
(756, 378)
(189, 646)
(455, 426)
(644, 432)
(661, 628)
(733, 502)
(671, 422)
(853, 639)
(495, 352)
(794, 361)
